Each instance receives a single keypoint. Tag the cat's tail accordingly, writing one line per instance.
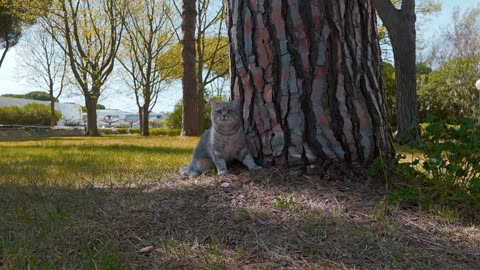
(184, 169)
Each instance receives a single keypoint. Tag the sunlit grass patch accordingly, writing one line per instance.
(79, 161)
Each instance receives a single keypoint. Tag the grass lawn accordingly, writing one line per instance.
(117, 203)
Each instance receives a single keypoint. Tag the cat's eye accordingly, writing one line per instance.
(219, 111)
(229, 111)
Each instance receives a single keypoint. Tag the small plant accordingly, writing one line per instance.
(447, 173)
(284, 203)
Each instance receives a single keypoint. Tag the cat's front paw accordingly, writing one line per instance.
(193, 175)
(255, 169)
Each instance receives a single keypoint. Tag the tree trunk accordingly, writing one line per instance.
(191, 123)
(145, 120)
(404, 52)
(91, 104)
(53, 116)
(401, 29)
(309, 76)
(140, 119)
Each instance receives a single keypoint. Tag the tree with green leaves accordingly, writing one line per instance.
(89, 32)
(10, 29)
(211, 43)
(14, 15)
(211, 53)
(399, 18)
(34, 95)
(449, 92)
(147, 38)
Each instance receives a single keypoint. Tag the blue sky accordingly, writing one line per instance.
(11, 83)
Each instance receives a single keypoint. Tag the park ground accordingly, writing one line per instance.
(116, 202)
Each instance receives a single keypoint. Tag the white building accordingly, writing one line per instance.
(71, 113)
(114, 118)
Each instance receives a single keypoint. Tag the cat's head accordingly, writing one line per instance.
(226, 114)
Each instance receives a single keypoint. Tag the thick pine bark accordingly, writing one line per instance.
(192, 102)
(309, 77)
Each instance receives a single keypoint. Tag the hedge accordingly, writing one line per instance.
(30, 114)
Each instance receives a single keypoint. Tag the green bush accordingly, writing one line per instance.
(174, 120)
(445, 172)
(31, 114)
(165, 132)
(449, 91)
(11, 115)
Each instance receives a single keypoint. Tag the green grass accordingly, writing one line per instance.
(96, 203)
(82, 161)
(51, 190)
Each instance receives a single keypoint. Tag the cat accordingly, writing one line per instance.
(222, 143)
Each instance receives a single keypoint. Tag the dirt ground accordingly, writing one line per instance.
(275, 221)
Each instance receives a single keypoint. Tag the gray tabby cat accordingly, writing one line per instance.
(222, 143)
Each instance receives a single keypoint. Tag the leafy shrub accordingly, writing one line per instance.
(11, 115)
(447, 172)
(174, 120)
(449, 92)
(165, 132)
(31, 114)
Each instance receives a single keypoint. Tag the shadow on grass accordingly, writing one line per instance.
(202, 225)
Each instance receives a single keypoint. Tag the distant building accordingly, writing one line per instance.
(113, 118)
(71, 113)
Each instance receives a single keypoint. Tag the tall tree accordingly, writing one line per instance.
(147, 39)
(308, 74)
(400, 24)
(45, 65)
(193, 101)
(14, 15)
(10, 29)
(89, 32)
(211, 44)
(425, 9)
